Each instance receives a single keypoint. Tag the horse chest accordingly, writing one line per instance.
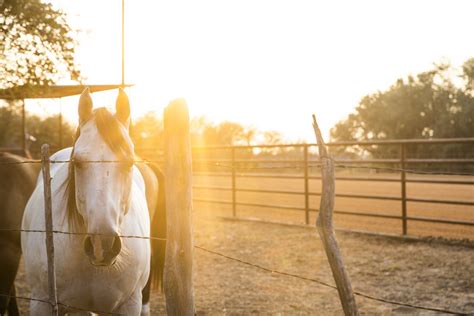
(81, 284)
(75, 271)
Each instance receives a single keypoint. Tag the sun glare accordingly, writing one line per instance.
(269, 64)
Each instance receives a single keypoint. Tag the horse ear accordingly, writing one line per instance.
(85, 106)
(122, 108)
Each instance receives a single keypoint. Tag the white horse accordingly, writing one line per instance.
(97, 271)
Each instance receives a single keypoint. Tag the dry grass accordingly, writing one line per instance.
(393, 189)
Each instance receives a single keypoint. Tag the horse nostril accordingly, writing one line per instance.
(117, 246)
(102, 250)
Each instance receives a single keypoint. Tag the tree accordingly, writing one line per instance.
(468, 74)
(248, 135)
(272, 137)
(147, 132)
(225, 133)
(40, 130)
(37, 44)
(429, 105)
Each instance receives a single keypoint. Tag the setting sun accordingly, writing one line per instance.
(269, 64)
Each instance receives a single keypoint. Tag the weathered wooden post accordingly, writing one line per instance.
(326, 228)
(403, 180)
(48, 216)
(306, 184)
(178, 272)
(24, 141)
(234, 198)
(60, 123)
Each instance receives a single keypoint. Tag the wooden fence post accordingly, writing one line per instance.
(48, 216)
(60, 123)
(234, 197)
(24, 141)
(306, 184)
(326, 228)
(404, 189)
(178, 272)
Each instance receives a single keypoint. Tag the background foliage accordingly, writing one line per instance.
(37, 45)
(438, 103)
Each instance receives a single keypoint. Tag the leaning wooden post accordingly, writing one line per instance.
(178, 273)
(48, 217)
(325, 228)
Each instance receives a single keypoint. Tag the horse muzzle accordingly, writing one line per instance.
(102, 250)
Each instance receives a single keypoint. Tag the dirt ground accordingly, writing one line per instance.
(427, 273)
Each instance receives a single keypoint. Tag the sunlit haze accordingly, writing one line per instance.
(268, 64)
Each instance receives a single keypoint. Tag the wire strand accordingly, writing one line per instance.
(368, 296)
(59, 303)
(273, 271)
(26, 298)
(292, 165)
(78, 233)
(86, 310)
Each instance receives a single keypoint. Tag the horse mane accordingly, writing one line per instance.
(110, 130)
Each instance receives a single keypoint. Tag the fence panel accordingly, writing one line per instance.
(290, 167)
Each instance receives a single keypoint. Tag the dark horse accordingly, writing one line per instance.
(17, 181)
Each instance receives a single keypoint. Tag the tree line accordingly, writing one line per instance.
(146, 131)
(438, 103)
(38, 47)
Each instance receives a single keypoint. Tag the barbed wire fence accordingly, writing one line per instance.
(241, 261)
(289, 165)
(216, 253)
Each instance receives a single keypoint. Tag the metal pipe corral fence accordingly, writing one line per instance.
(228, 163)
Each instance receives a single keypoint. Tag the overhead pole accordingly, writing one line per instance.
(122, 84)
(123, 44)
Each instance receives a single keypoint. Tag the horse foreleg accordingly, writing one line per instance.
(40, 308)
(12, 305)
(10, 255)
(132, 306)
(146, 298)
(145, 309)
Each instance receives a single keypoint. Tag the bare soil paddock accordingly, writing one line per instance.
(454, 192)
(420, 272)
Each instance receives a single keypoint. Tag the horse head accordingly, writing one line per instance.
(102, 163)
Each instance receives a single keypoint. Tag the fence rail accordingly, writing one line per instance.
(245, 168)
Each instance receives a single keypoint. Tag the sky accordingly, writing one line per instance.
(269, 64)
